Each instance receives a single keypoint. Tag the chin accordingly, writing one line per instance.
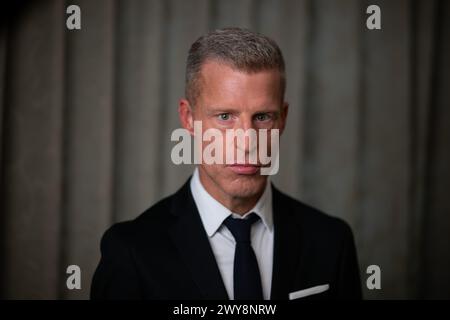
(242, 186)
(235, 185)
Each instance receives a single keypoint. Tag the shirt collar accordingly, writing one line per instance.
(213, 213)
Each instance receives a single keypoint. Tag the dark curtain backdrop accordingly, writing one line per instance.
(86, 117)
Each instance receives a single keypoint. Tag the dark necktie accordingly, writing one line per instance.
(246, 277)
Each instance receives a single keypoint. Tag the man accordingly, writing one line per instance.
(228, 233)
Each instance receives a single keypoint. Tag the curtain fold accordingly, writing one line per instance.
(86, 117)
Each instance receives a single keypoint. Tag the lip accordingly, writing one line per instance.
(244, 169)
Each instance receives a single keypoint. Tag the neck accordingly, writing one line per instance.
(235, 204)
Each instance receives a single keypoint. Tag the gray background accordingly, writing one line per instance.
(86, 118)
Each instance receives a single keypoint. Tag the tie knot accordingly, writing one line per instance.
(240, 228)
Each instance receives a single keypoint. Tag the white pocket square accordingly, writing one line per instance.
(308, 292)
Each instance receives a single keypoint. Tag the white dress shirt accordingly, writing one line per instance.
(222, 242)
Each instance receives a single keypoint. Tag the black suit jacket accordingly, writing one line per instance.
(165, 254)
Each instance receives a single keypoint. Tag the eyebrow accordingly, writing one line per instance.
(217, 109)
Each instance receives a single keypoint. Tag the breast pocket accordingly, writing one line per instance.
(313, 293)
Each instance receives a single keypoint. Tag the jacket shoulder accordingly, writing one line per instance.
(312, 219)
(149, 223)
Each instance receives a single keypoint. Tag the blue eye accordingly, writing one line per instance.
(262, 117)
(224, 116)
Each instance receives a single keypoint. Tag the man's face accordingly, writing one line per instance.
(233, 99)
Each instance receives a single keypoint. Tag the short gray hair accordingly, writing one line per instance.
(240, 48)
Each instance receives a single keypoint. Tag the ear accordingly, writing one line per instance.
(283, 116)
(186, 115)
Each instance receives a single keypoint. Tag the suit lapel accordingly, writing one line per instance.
(287, 246)
(192, 243)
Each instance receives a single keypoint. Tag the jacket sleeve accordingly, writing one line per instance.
(115, 276)
(349, 281)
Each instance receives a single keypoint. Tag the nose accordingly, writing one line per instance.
(249, 142)
(245, 123)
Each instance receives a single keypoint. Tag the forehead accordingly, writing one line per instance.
(222, 83)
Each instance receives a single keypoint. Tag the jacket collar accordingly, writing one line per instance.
(192, 243)
(191, 239)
